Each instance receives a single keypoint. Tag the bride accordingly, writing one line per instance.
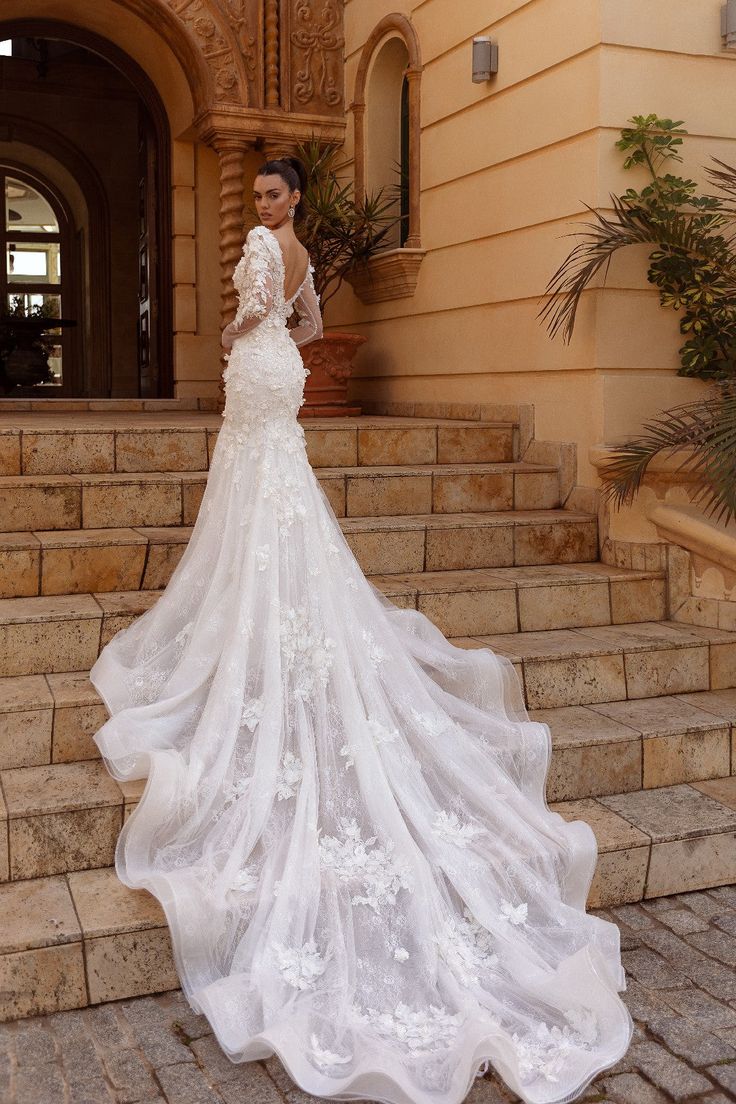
(345, 817)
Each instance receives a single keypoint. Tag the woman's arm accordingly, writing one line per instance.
(306, 305)
(253, 281)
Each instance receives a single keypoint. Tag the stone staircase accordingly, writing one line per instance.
(97, 501)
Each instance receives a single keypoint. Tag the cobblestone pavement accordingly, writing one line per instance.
(679, 953)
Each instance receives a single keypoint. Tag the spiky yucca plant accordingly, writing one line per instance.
(339, 230)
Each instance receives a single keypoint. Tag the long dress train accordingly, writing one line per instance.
(345, 817)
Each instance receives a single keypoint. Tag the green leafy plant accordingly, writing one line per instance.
(340, 231)
(706, 431)
(693, 263)
(30, 346)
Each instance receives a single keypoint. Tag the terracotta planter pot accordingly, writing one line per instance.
(330, 362)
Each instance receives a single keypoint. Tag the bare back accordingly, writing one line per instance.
(296, 261)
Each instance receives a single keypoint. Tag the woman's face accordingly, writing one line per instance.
(273, 199)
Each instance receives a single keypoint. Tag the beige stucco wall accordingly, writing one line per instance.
(506, 167)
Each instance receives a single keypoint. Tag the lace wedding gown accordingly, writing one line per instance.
(345, 817)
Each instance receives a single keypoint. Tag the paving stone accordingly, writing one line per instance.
(68, 1026)
(651, 970)
(669, 1073)
(186, 1084)
(84, 1073)
(154, 1033)
(725, 895)
(130, 1075)
(702, 1008)
(643, 1003)
(705, 904)
(683, 921)
(725, 1075)
(663, 904)
(634, 916)
(687, 1040)
(727, 922)
(178, 1011)
(715, 978)
(43, 1084)
(631, 1088)
(34, 1044)
(718, 945)
(107, 1027)
(251, 1083)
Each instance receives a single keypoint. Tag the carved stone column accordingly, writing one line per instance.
(231, 154)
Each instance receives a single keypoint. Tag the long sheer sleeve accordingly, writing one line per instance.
(253, 280)
(306, 305)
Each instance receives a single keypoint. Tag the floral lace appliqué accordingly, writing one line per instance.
(289, 776)
(354, 859)
(421, 1030)
(448, 827)
(307, 651)
(299, 966)
(542, 1053)
(326, 1058)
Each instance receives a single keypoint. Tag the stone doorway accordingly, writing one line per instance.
(84, 135)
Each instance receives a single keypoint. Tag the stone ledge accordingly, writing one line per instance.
(392, 274)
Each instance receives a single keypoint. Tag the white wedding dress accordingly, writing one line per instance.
(345, 817)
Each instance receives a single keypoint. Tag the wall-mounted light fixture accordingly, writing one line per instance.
(728, 25)
(485, 59)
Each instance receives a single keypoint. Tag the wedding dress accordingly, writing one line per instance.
(345, 817)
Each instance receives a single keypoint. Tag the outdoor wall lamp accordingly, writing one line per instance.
(485, 58)
(728, 25)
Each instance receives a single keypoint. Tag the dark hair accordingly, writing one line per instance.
(293, 172)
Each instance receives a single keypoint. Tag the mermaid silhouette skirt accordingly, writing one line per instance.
(344, 817)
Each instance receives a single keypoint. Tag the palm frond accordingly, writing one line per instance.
(706, 431)
(629, 224)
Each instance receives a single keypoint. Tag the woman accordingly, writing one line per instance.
(345, 816)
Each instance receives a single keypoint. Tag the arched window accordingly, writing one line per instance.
(386, 162)
(386, 127)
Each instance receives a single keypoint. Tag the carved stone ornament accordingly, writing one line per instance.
(316, 43)
(389, 275)
(227, 41)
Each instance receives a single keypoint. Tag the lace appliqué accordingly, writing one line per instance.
(326, 1058)
(252, 713)
(307, 651)
(542, 1053)
(467, 947)
(448, 827)
(421, 1031)
(299, 966)
(289, 776)
(354, 859)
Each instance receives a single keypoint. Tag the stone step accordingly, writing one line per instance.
(42, 443)
(607, 748)
(75, 561)
(580, 666)
(115, 499)
(65, 632)
(606, 663)
(84, 938)
(58, 930)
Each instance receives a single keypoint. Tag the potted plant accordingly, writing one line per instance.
(25, 345)
(340, 233)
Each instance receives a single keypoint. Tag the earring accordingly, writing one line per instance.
(291, 212)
